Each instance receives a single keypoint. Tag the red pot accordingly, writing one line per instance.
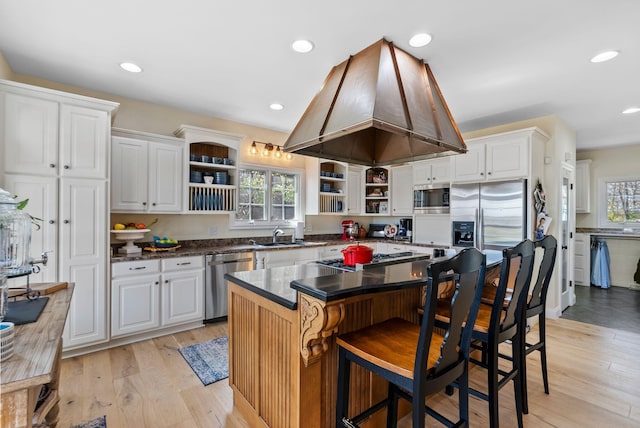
(357, 254)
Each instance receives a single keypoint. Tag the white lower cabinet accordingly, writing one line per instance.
(147, 295)
(582, 259)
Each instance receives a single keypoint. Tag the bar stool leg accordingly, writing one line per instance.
(517, 344)
(344, 372)
(523, 366)
(392, 407)
(543, 352)
(492, 373)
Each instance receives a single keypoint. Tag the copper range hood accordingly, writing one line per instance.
(382, 106)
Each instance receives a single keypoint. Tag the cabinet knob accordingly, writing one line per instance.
(66, 167)
(482, 173)
(52, 165)
(144, 204)
(433, 178)
(488, 173)
(157, 283)
(166, 281)
(153, 204)
(66, 222)
(52, 222)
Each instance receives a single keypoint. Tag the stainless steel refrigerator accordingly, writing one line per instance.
(498, 212)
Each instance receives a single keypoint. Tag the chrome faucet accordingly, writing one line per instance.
(275, 233)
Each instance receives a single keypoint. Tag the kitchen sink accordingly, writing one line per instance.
(287, 244)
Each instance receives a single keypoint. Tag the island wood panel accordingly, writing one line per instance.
(264, 360)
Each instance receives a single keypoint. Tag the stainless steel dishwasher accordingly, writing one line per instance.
(215, 303)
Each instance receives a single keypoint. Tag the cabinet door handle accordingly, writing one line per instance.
(482, 173)
(157, 283)
(184, 263)
(52, 165)
(144, 204)
(66, 167)
(489, 173)
(52, 221)
(66, 221)
(153, 204)
(139, 268)
(166, 281)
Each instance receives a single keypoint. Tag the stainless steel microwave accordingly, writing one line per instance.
(430, 199)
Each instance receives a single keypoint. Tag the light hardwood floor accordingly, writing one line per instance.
(594, 376)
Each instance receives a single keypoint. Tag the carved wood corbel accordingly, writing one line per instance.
(318, 321)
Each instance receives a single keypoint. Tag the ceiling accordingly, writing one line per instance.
(496, 62)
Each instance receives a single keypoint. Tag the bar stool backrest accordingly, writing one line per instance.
(539, 291)
(468, 271)
(515, 275)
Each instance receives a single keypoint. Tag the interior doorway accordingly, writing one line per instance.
(565, 245)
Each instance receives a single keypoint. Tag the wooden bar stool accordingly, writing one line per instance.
(499, 322)
(536, 305)
(415, 359)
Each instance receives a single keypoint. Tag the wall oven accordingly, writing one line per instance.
(430, 199)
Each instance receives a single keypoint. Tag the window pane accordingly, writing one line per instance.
(252, 190)
(266, 195)
(623, 201)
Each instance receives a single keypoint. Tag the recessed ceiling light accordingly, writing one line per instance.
(302, 46)
(276, 106)
(420, 40)
(631, 110)
(605, 56)
(131, 67)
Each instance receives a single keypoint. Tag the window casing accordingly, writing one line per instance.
(619, 202)
(268, 196)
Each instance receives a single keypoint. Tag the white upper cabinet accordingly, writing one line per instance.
(83, 142)
(435, 171)
(52, 134)
(583, 180)
(146, 173)
(402, 190)
(354, 190)
(498, 157)
(31, 127)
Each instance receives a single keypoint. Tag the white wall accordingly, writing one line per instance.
(5, 71)
(615, 162)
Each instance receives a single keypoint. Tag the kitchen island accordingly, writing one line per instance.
(282, 327)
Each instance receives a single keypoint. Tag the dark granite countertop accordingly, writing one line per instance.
(224, 246)
(281, 284)
(610, 232)
(275, 283)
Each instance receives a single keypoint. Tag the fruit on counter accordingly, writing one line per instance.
(164, 240)
(134, 226)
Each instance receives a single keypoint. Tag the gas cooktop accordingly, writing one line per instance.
(378, 260)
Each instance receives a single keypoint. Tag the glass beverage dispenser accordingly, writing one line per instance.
(15, 239)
